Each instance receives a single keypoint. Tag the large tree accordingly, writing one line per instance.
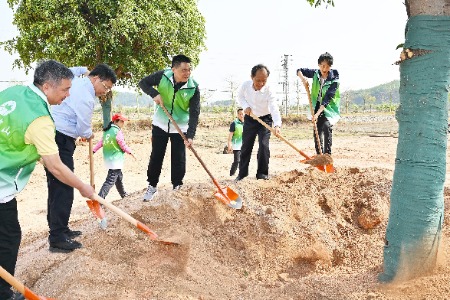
(413, 234)
(135, 37)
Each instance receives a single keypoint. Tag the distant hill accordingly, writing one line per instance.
(383, 93)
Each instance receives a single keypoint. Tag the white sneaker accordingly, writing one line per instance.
(178, 187)
(150, 193)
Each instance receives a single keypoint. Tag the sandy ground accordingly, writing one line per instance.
(303, 234)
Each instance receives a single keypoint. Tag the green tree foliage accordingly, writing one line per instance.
(318, 3)
(135, 37)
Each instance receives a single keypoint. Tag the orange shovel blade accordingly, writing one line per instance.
(98, 212)
(326, 168)
(228, 197)
(147, 230)
(96, 209)
(32, 296)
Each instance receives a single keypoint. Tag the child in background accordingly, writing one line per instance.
(114, 147)
(235, 139)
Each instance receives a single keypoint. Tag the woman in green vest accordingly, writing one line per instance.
(325, 99)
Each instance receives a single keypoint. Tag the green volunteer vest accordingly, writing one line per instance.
(176, 103)
(113, 155)
(19, 107)
(332, 110)
(236, 139)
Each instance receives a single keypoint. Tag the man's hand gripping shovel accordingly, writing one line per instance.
(308, 160)
(224, 194)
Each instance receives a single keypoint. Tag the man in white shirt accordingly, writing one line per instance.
(256, 97)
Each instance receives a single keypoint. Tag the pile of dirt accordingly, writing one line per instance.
(292, 228)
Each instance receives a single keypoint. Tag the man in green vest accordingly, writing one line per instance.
(179, 93)
(27, 133)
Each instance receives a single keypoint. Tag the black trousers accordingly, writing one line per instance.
(160, 138)
(10, 236)
(325, 131)
(60, 195)
(114, 177)
(236, 160)
(252, 129)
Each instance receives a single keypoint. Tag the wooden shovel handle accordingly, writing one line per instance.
(126, 216)
(190, 147)
(91, 164)
(19, 286)
(316, 132)
(279, 135)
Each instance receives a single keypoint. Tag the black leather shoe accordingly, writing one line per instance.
(65, 246)
(73, 233)
(239, 178)
(262, 176)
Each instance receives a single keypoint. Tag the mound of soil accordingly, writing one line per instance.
(303, 234)
(296, 224)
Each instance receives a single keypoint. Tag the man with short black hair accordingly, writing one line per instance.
(73, 119)
(179, 93)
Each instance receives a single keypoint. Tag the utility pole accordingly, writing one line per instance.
(285, 82)
(232, 88)
(297, 90)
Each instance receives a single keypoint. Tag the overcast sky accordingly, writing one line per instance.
(360, 34)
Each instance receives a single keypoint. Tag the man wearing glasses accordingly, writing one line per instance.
(72, 120)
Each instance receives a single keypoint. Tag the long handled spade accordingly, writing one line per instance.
(224, 194)
(132, 220)
(94, 206)
(308, 159)
(328, 168)
(20, 287)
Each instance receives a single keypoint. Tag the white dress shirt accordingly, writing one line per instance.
(73, 116)
(262, 102)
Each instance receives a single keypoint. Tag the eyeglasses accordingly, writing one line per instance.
(107, 89)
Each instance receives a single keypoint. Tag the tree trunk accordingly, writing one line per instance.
(413, 233)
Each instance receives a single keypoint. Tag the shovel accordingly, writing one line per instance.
(224, 194)
(132, 220)
(94, 206)
(308, 160)
(328, 168)
(20, 287)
